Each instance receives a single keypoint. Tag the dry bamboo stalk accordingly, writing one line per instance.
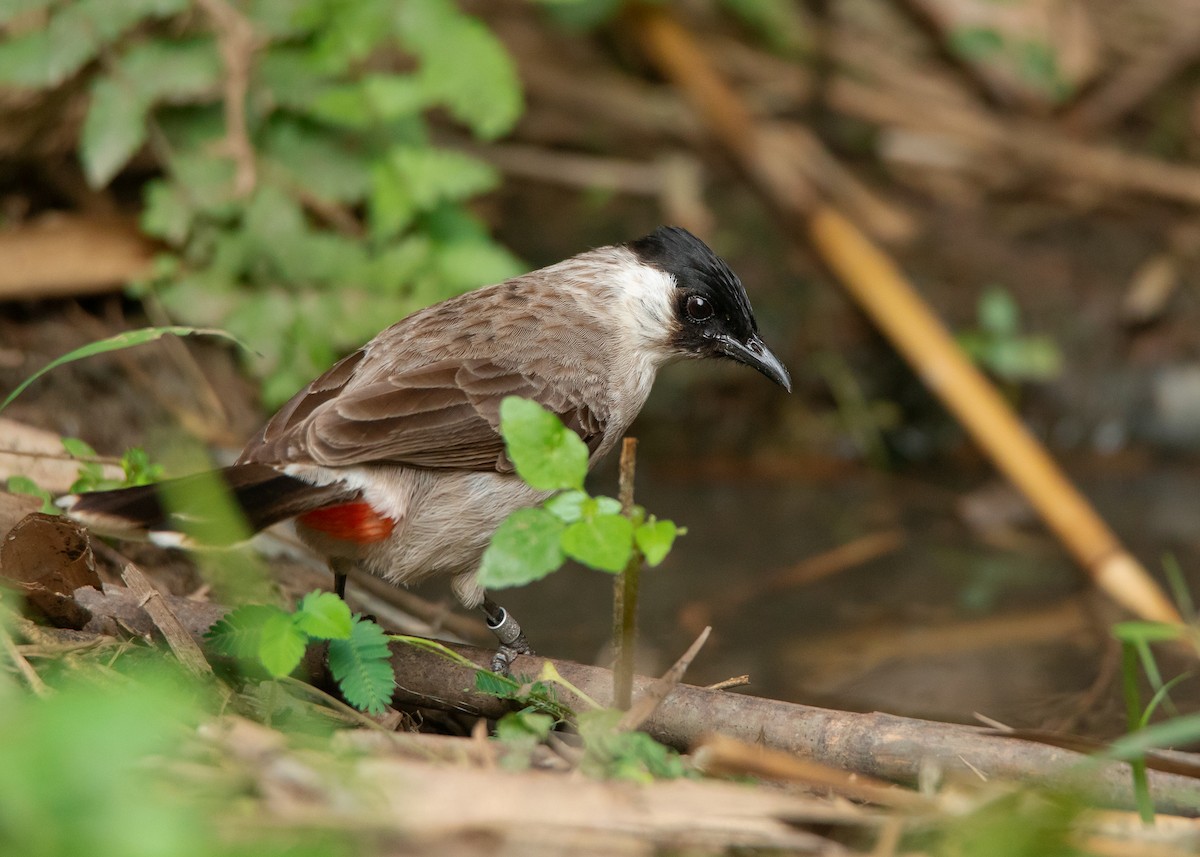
(881, 289)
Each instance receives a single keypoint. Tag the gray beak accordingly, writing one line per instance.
(756, 355)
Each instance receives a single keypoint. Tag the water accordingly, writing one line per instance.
(947, 623)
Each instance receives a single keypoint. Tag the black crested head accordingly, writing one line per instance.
(713, 312)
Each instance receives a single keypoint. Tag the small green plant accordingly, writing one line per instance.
(277, 639)
(533, 542)
(1032, 62)
(1136, 639)
(611, 750)
(999, 346)
(135, 465)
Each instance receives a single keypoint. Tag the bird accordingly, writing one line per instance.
(392, 461)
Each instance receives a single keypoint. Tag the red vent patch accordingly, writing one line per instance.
(351, 522)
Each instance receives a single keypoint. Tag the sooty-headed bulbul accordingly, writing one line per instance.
(392, 460)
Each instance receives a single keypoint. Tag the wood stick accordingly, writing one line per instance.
(883, 746)
(177, 636)
(625, 591)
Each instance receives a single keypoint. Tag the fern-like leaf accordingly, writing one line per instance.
(239, 634)
(360, 666)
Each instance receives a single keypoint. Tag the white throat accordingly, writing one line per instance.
(643, 305)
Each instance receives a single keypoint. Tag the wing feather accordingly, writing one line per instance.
(444, 414)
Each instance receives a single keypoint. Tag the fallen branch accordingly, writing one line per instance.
(886, 747)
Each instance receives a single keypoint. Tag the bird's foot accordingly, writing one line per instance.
(502, 660)
(508, 632)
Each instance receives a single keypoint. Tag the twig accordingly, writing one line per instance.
(653, 696)
(728, 683)
(151, 600)
(1140, 78)
(719, 754)
(625, 591)
(237, 42)
(23, 667)
(1037, 147)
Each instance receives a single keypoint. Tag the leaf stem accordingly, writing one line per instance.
(625, 591)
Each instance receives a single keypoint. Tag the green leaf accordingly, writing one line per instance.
(342, 105)
(172, 71)
(25, 485)
(546, 454)
(392, 96)
(77, 448)
(976, 43)
(520, 732)
(463, 65)
(28, 61)
(465, 263)
(1138, 631)
(998, 313)
(604, 542)
(166, 213)
(361, 667)
(139, 470)
(390, 203)
(567, 506)
(318, 160)
(205, 179)
(114, 343)
(1169, 733)
(608, 505)
(113, 131)
(613, 753)
(239, 633)
(281, 644)
(324, 616)
(654, 539)
(431, 176)
(518, 726)
(524, 548)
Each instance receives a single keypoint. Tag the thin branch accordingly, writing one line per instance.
(625, 592)
(237, 42)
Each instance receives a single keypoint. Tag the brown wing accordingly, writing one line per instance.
(445, 414)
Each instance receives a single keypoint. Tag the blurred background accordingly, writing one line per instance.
(304, 172)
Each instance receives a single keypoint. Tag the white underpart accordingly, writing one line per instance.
(384, 489)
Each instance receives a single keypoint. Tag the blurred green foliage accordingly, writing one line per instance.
(334, 213)
(94, 767)
(999, 346)
(1031, 61)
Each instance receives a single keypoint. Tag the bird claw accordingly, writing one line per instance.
(504, 657)
(509, 633)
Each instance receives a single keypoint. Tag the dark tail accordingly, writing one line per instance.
(220, 507)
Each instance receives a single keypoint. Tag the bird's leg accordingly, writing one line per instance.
(341, 570)
(508, 632)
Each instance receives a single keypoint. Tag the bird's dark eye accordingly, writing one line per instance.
(698, 308)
